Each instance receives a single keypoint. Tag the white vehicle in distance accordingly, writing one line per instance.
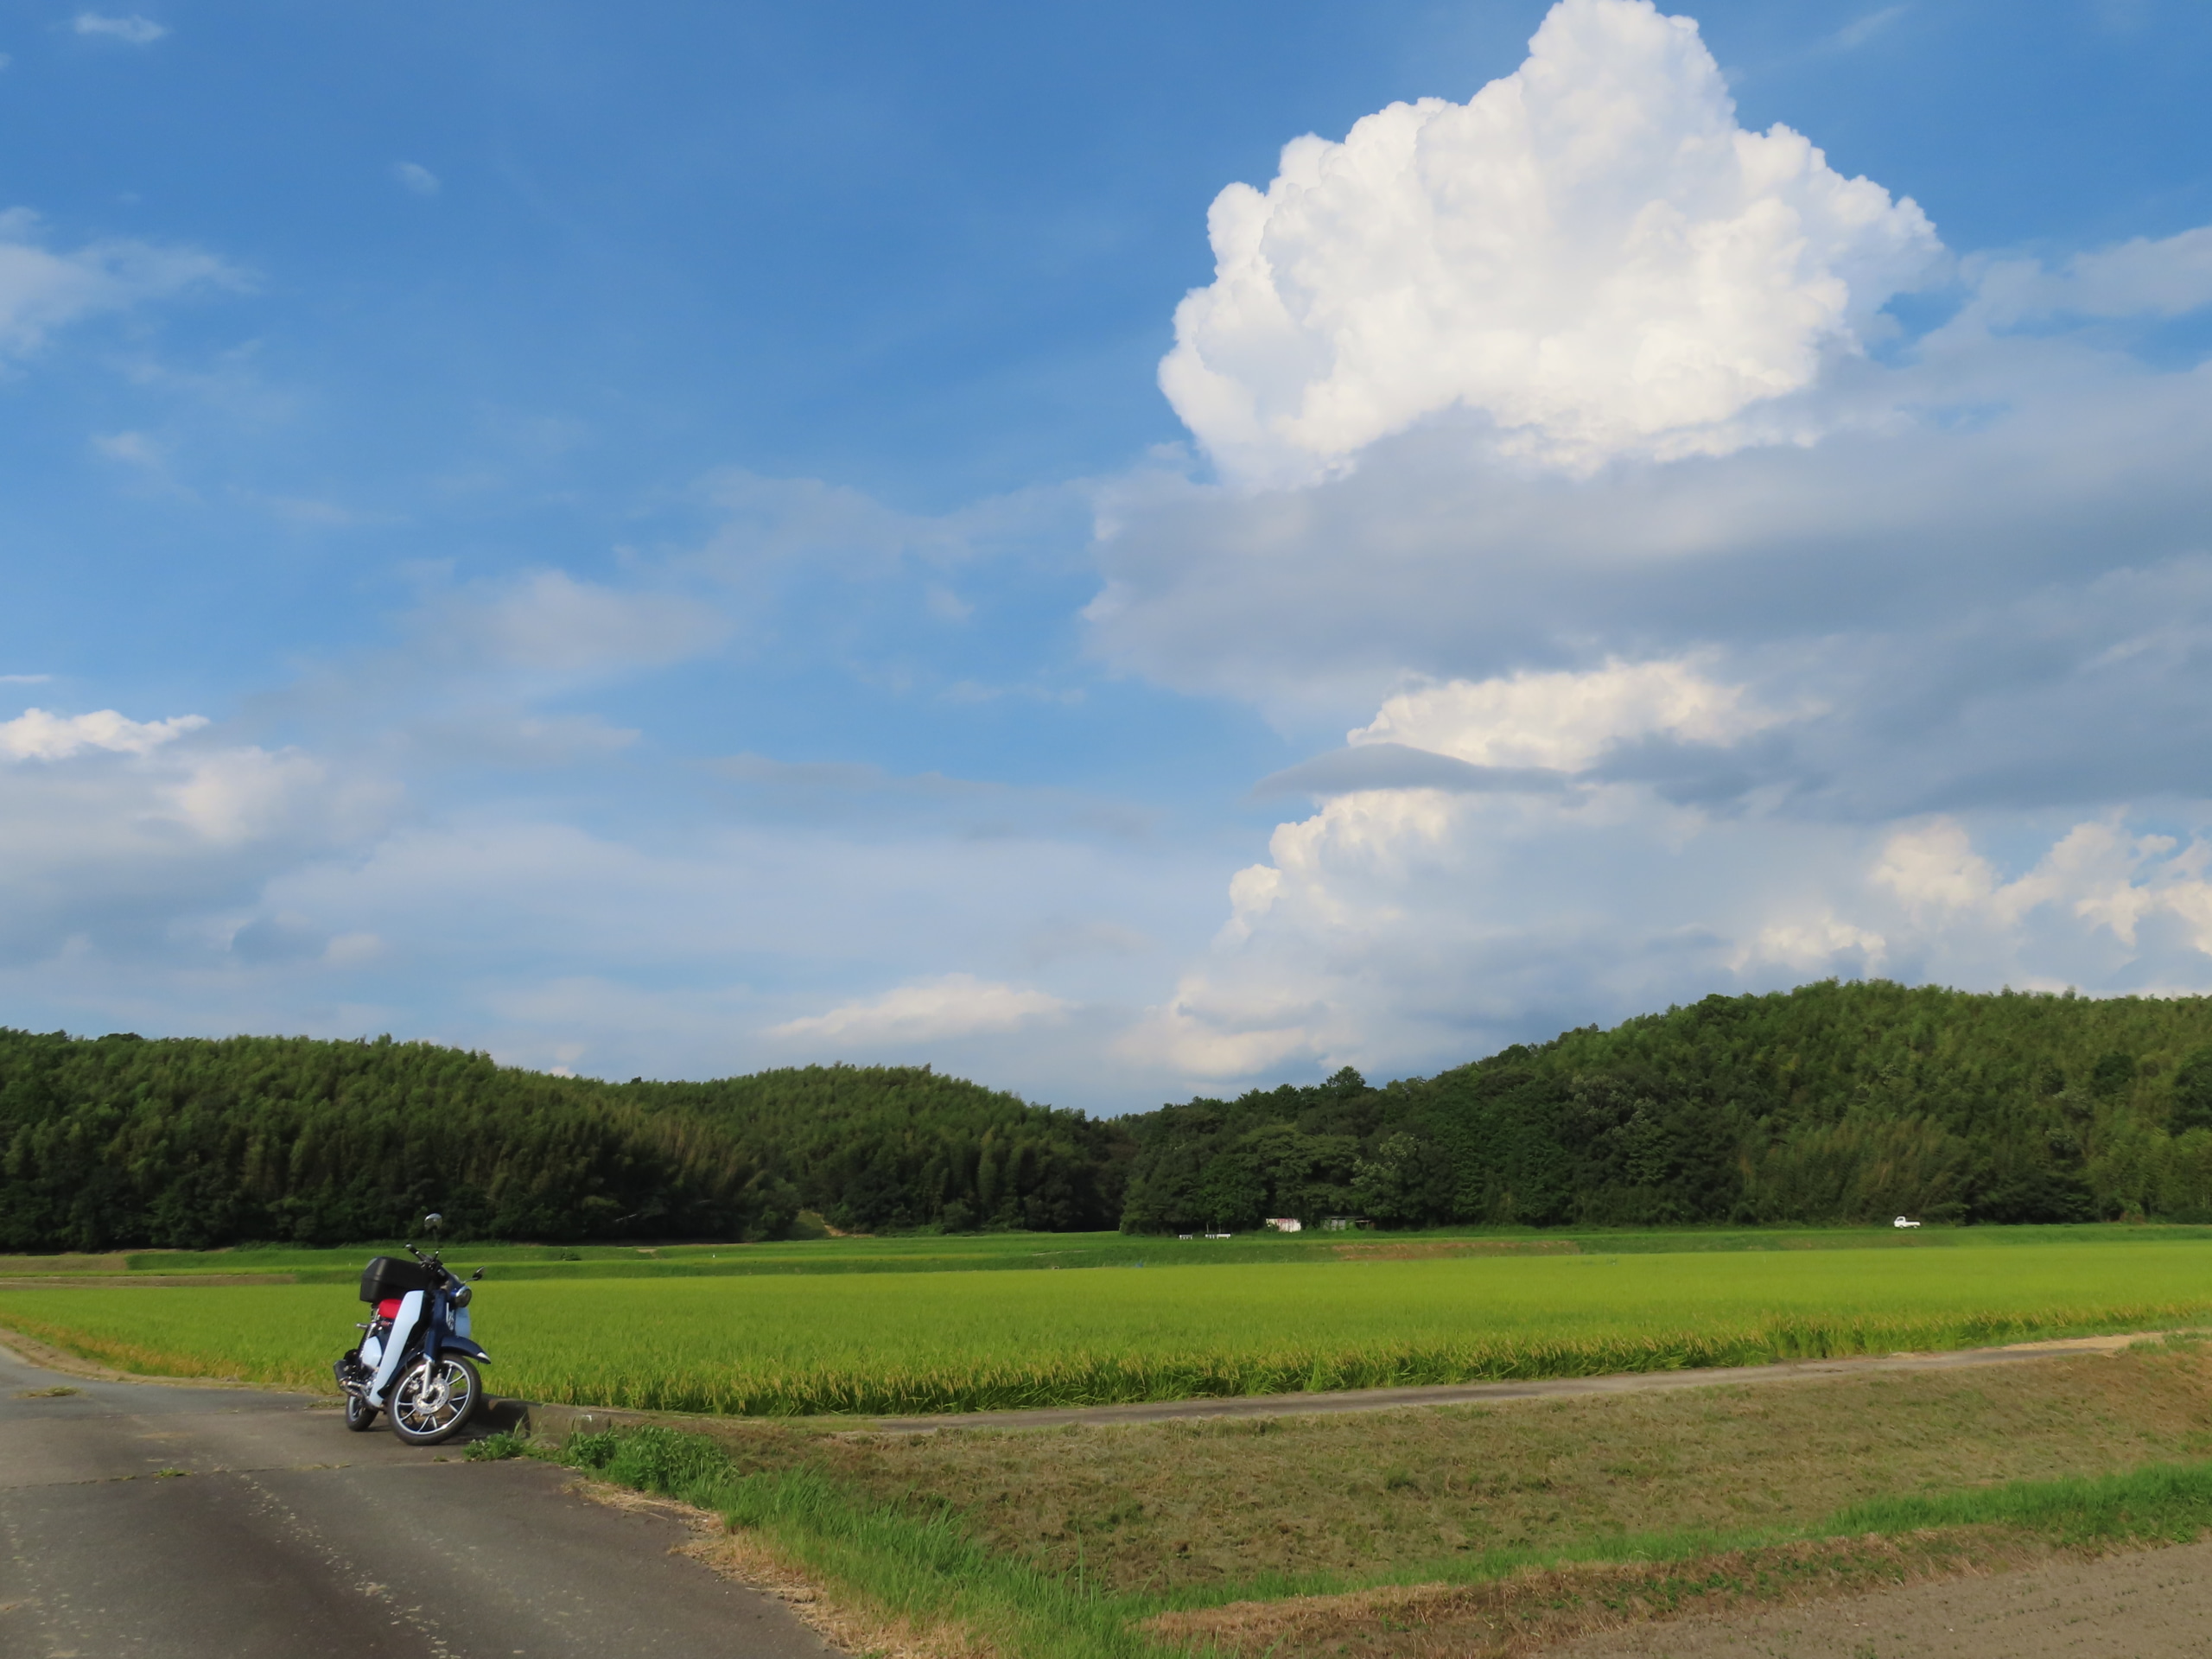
(1902, 1222)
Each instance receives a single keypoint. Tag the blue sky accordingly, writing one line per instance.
(655, 543)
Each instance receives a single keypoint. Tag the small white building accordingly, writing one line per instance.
(1287, 1224)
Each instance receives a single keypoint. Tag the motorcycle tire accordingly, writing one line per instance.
(360, 1416)
(427, 1404)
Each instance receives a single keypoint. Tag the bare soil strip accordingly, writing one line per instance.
(68, 1262)
(2154, 1604)
(1547, 1610)
(1464, 1394)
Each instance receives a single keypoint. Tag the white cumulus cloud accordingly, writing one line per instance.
(36, 734)
(1564, 720)
(238, 796)
(115, 833)
(1408, 929)
(1590, 252)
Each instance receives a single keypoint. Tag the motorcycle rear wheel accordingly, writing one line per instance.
(430, 1403)
(360, 1416)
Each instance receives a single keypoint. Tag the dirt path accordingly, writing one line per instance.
(1283, 1405)
(2153, 1604)
(558, 1421)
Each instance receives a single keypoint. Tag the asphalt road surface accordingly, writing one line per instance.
(229, 1524)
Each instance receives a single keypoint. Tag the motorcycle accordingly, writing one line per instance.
(415, 1360)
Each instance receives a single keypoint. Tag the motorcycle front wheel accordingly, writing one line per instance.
(430, 1403)
(360, 1416)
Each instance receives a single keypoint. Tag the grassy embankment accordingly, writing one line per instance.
(1494, 1530)
(924, 1340)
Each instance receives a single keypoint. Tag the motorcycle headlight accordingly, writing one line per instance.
(461, 1297)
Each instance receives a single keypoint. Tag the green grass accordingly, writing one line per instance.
(893, 1342)
(1001, 1252)
(2153, 1504)
(918, 1560)
(923, 1566)
(2160, 1503)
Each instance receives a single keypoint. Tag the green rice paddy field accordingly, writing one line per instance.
(910, 1337)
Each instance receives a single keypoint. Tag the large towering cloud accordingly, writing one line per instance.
(1590, 252)
(1685, 642)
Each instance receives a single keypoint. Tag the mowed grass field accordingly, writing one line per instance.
(912, 1342)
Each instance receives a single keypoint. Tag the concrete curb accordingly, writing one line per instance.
(558, 1423)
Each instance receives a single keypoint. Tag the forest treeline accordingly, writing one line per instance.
(120, 1142)
(1834, 1102)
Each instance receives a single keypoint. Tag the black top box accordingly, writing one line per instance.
(389, 1276)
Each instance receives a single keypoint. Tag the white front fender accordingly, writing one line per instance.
(403, 1324)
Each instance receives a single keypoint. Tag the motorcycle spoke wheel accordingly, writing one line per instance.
(430, 1402)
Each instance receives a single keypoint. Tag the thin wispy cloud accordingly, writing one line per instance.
(43, 288)
(2125, 16)
(133, 449)
(417, 178)
(953, 1004)
(133, 30)
(1854, 35)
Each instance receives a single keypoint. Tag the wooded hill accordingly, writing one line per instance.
(121, 1141)
(1834, 1103)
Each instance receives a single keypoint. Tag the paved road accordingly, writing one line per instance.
(287, 1536)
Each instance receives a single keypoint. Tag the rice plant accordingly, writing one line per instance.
(910, 1343)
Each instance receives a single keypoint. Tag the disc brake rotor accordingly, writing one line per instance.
(428, 1397)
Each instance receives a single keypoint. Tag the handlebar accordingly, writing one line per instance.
(436, 1264)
